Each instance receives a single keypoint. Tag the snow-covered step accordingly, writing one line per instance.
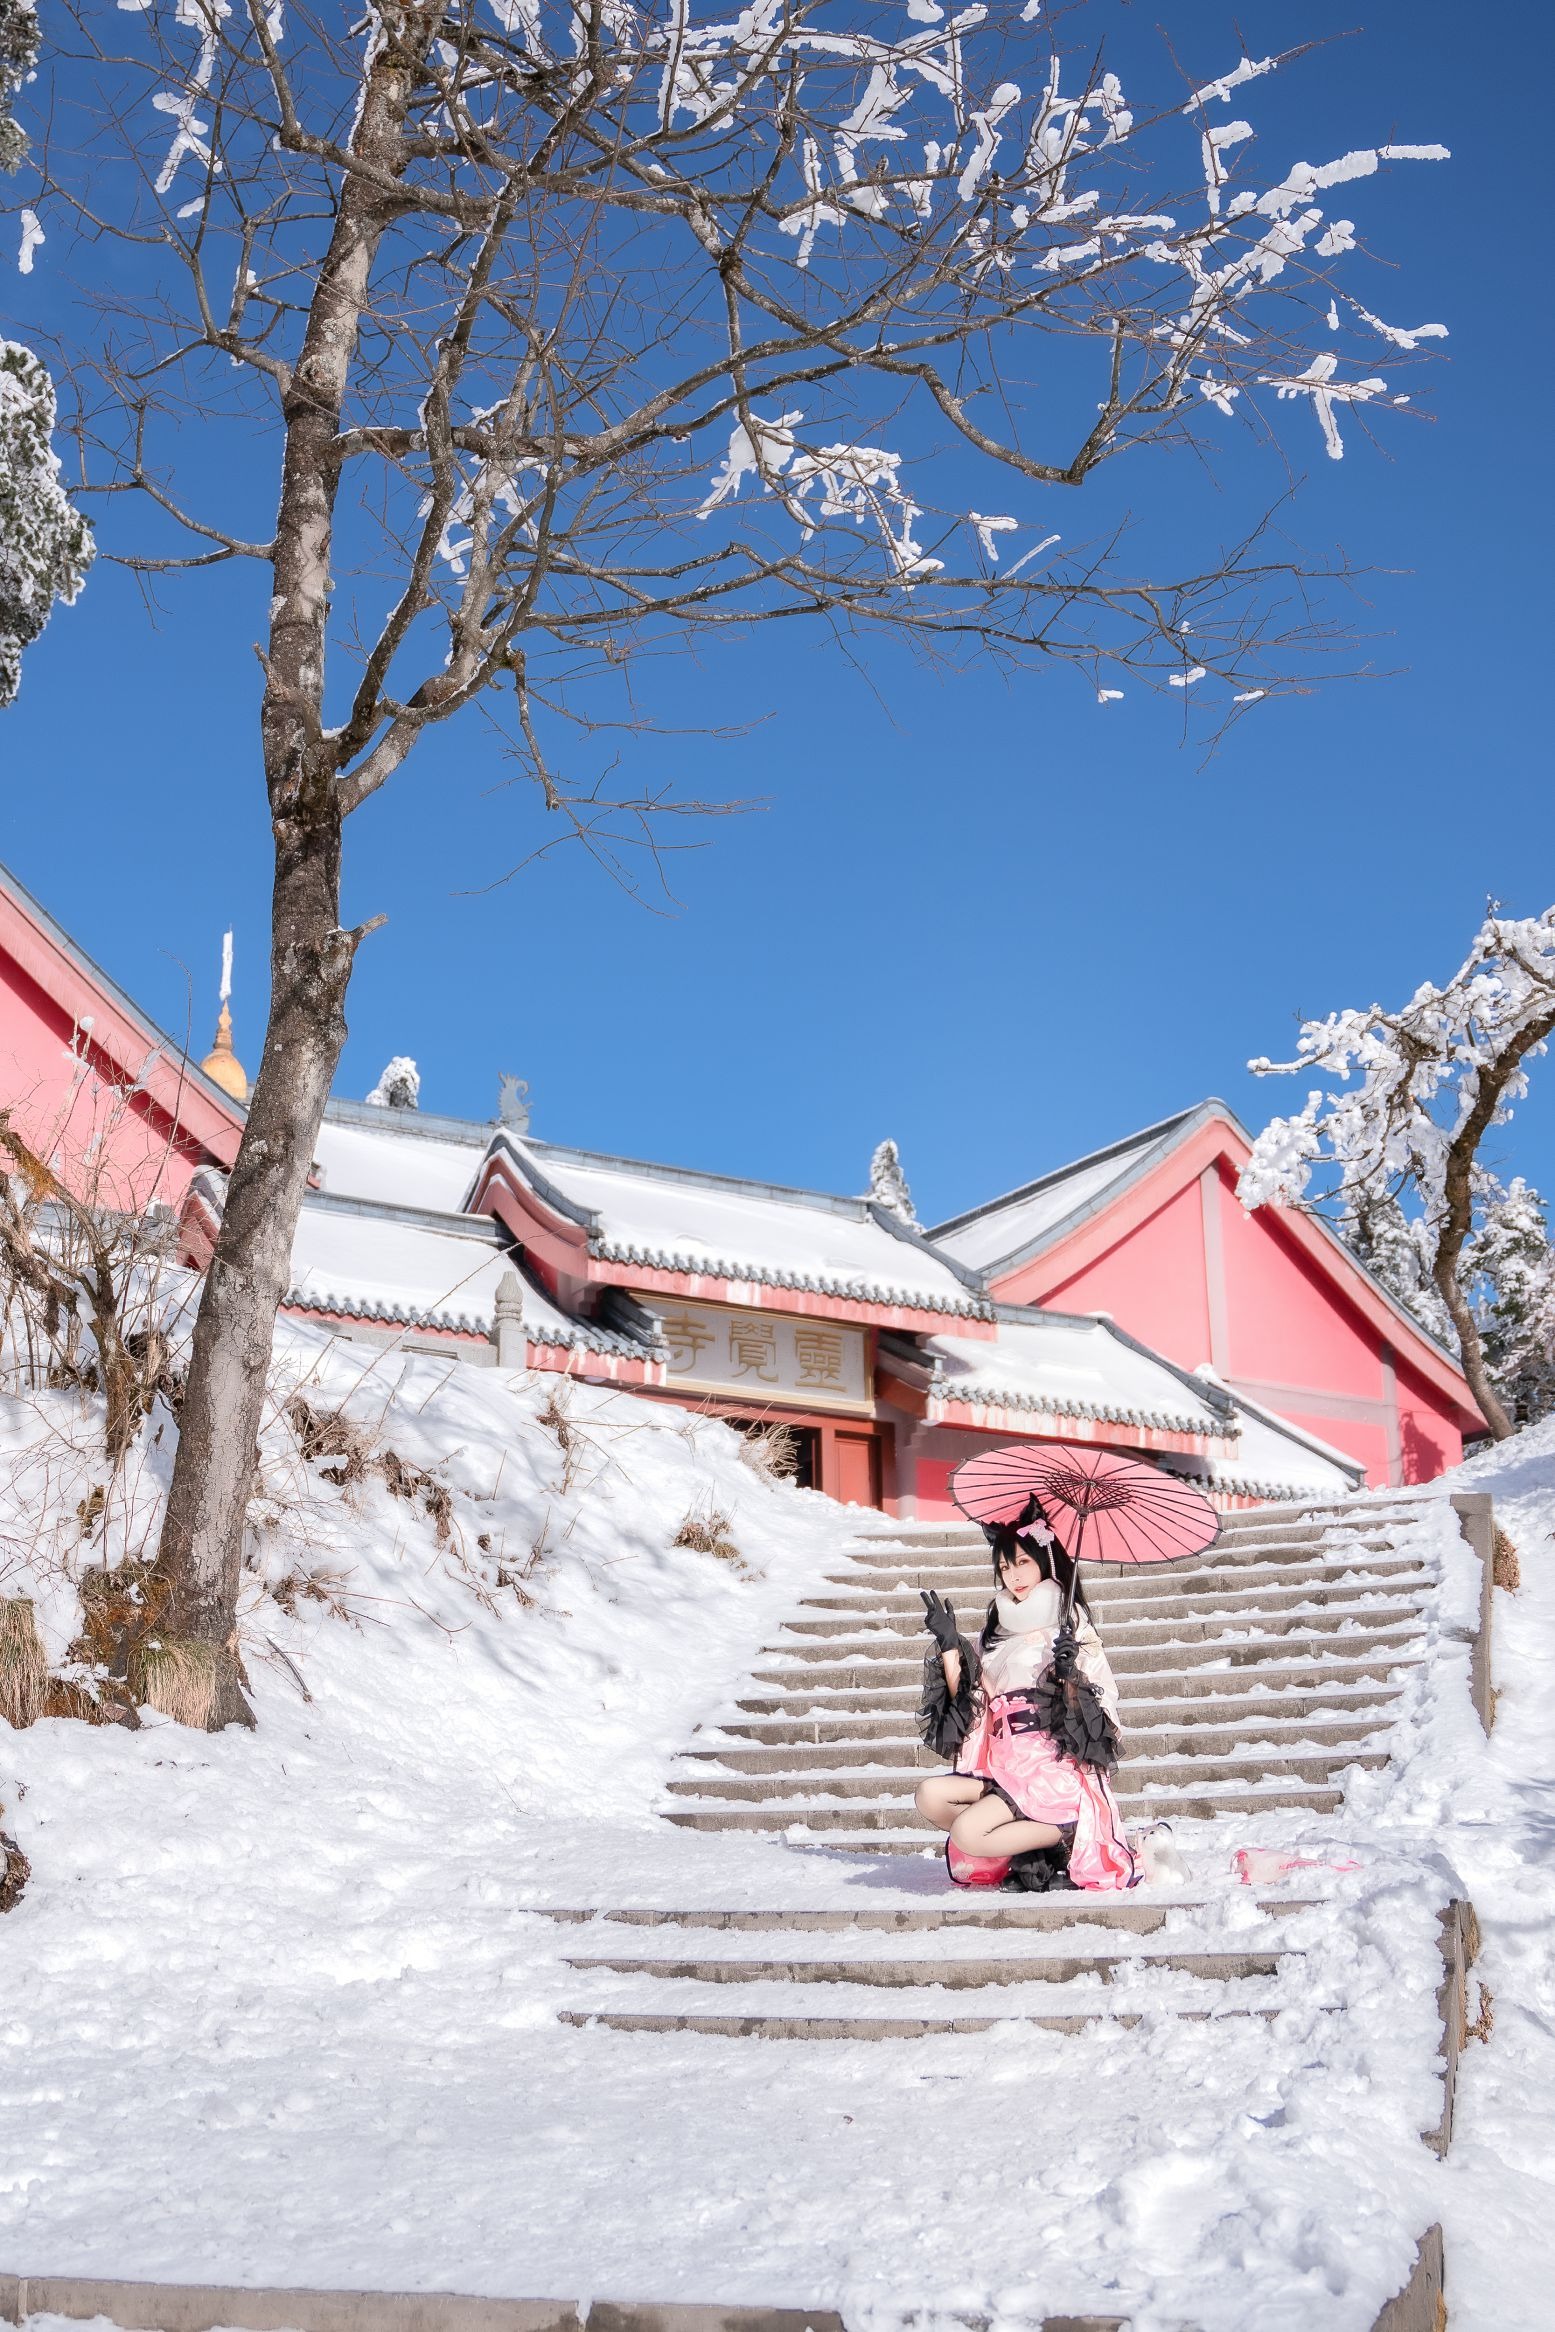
(950, 1917)
(955, 1973)
(1270, 1611)
(1272, 1679)
(894, 1590)
(1371, 1701)
(903, 1612)
(788, 1782)
(1152, 1741)
(875, 2028)
(797, 1816)
(882, 1662)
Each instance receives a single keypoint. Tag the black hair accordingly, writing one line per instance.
(1007, 1540)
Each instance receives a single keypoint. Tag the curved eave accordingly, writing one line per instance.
(1080, 1421)
(718, 1280)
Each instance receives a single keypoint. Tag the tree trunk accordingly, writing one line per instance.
(1458, 1198)
(1471, 1351)
(250, 1271)
(310, 956)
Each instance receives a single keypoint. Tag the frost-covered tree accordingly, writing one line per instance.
(551, 334)
(1430, 1081)
(1513, 1280)
(1396, 1249)
(45, 545)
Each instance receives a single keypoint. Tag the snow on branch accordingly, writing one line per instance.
(45, 546)
(713, 315)
(1423, 1086)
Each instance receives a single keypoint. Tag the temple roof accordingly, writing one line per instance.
(1005, 1230)
(1275, 1459)
(1065, 1364)
(716, 1226)
(401, 1157)
(359, 1259)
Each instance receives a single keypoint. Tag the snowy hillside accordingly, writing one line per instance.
(277, 2007)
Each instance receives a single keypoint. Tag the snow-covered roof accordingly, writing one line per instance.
(1275, 1459)
(1027, 1218)
(714, 1226)
(400, 1157)
(1065, 1365)
(360, 1260)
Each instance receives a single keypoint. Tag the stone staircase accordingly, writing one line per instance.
(1251, 1681)
(1254, 1681)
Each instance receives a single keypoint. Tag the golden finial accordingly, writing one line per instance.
(221, 1063)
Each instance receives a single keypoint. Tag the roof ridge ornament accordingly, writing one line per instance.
(513, 1102)
(399, 1087)
(888, 1184)
(221, 1063)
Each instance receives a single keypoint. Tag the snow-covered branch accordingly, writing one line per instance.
(1430, 1081)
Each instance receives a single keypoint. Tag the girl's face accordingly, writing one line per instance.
(1020, 1574)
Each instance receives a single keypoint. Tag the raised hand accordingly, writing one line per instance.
(940, 1620)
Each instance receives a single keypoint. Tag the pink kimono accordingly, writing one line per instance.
(1027, 1768)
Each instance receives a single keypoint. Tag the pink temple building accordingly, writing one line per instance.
(1126, 1301)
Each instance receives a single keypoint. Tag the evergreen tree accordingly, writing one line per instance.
(1514, 1266)
(45, 545)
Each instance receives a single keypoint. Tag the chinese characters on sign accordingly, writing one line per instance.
(765, 1354)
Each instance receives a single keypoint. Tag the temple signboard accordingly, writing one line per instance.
(766, 1356)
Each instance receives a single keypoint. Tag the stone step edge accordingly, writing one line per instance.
(1034, 1912)
(1371, 1642)
(1349, 1703)
(1139, 1740)
(1137, 1770)
(1368, 1669)
(846, 2028)
(180, 2307)
(901, 1628)
(865, 1594)
(1210, 1967)
(1173, 1805)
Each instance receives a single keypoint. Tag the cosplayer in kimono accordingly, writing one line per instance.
(1028, 1717)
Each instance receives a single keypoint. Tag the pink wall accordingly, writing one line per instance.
(77, 1110)
(1200, 1279)
(1152, 1282)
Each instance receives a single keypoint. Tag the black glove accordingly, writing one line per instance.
(940, 1620)
(1065, 1650)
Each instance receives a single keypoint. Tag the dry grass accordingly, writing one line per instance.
(771, 1452)
(1506, 1570)
(15, 1871)
(181, 1677)
(326, 1584)
(419, 1488)
(329, 1439)
(1485, 2023)
(24, 1671)
(706, 1529)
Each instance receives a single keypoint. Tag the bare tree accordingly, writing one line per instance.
(569, 330)
(1433, 1079)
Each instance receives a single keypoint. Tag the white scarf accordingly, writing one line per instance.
(1042, 1608)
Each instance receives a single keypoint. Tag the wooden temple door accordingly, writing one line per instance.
(855, 1467)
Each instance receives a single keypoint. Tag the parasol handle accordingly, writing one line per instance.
(1074, 1572)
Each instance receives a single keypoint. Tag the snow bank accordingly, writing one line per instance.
(281, 2007)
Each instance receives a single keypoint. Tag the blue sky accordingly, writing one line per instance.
(978, 914)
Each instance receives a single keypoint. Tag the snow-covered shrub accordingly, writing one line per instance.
(399, 1086)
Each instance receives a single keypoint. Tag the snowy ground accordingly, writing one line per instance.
(279, 2008)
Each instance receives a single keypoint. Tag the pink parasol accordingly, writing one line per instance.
(1107, 1509)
